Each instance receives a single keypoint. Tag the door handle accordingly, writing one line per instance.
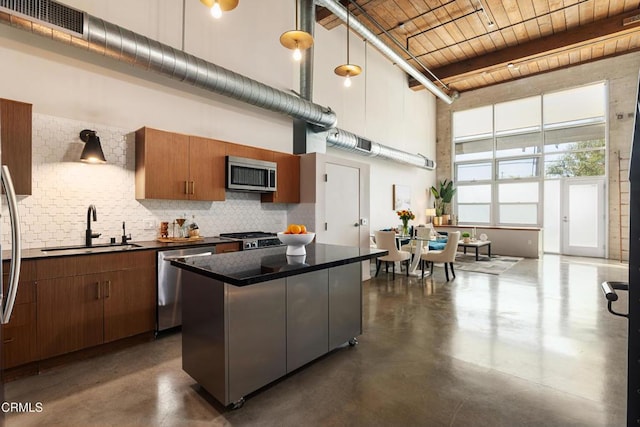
(565, 219)
(107, 292)
(356, 225)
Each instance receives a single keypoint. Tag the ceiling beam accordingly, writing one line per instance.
(586, 34)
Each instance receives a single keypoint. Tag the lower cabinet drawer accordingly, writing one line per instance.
(19, 337)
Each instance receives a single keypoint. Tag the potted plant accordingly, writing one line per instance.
(437, 204)
(443, 195)
(466, 237)
(446, 194)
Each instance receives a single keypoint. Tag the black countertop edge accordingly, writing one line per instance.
(264, 277)
(36, 253)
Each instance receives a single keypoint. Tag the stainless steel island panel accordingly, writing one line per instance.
(307, 326)
(256, 333)
(345, 304)
(203, 333)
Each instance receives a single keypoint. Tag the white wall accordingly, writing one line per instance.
(378, 106)
(67, 83)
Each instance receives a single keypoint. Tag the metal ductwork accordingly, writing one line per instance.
(348, 141)
(341, 12)
(70, 26)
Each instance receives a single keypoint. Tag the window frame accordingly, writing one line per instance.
(541, 156)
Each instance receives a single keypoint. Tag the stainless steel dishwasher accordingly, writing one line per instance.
(169, 309)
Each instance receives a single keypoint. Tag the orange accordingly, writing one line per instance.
(289, 228)
(303, 229)
(294, 229)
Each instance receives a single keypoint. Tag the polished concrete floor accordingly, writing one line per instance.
(534, 346)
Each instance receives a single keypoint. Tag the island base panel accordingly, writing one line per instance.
(256, 336)
(307, 326)
(345, 304)
(203, 333)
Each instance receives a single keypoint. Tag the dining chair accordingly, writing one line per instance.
(423, 234)
(387, 240)
(446, 255)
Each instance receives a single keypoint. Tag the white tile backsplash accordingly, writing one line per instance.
(63, 188)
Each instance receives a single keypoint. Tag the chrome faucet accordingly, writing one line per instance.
(89, 235)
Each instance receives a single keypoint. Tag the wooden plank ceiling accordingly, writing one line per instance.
(468, 44)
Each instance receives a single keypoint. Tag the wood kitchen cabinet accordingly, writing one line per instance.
(15, 135)
(130, 303)
(239, 150)
(77, 309)
(288, 185)
(19, 335)
(173, 166)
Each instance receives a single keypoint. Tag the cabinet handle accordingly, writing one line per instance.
(99, 290)
(186, 187)
(193, 187)
(108, 292)
(8, 340)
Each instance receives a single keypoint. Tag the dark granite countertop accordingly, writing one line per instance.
(255, 266)
(36, 253)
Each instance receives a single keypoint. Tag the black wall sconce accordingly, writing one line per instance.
(92, 151)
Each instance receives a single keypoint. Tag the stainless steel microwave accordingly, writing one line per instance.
(251, 175)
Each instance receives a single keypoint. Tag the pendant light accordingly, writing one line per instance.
(296, 40)
(92, 151)
(347, 70)
(219, 6)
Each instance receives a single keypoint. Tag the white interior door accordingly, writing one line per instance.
(342, 195)
(583, 221)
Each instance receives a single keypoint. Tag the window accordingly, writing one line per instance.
(518, 203)
(504, 152)
(474, 203)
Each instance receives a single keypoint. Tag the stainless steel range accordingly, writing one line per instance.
(254, 239)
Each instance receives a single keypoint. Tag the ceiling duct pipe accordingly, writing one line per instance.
(348, 141)
(341, 12)
(79, 29)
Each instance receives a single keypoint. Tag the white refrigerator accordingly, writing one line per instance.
(8, 291)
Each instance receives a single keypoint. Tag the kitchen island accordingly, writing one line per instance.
(252, 317)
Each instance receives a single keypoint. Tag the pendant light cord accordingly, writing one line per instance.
(184, 8)
(297, 15)
(348, 3)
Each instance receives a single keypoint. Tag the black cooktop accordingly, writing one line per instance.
(248, 235)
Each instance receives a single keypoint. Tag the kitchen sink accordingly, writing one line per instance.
(89, 249)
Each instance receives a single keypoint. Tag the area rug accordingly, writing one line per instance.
(497, 264)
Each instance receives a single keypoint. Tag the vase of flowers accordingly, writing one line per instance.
(405, 215)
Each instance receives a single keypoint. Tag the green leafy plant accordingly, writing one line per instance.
(443, 195)
(465, 235)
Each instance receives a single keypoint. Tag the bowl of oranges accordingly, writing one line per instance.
(296, 237)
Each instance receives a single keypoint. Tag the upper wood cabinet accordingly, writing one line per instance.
(15, 134)
(173, 166)
(207, 168)
(178, 167)
(249, 152)
(288, 185)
